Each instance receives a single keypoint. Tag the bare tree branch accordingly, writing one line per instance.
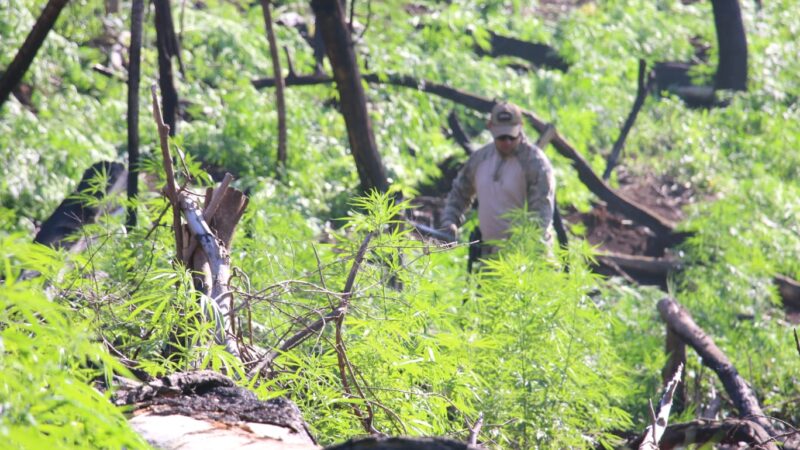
(741, 394)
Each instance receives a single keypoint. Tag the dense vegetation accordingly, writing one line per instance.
(551, 358)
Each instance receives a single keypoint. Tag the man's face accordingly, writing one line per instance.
(506, 144)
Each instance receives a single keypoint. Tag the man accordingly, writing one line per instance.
(504, 175)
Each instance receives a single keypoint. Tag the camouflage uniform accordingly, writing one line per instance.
(535, 185)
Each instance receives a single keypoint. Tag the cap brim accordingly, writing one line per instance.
(505, 130)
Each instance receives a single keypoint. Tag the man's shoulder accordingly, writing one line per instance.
(480, 155)
(529, 153)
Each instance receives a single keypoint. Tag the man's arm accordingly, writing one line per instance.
(461, 195)
(541, 188)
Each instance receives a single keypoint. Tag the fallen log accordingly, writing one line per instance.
(76, 210)
(789, 291)
(403, 443)
(615, 201)
(207, 410)
(705, 432)
(743, 397)
(540, 55)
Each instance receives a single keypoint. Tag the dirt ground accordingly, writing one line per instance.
(613, 232)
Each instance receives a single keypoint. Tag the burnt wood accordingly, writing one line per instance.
(339, 48)
(33, 42)
(75, 212)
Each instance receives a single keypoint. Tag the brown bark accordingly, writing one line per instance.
(134, 57)
(703, 432)
(615, 201)
(24, 57)
(743, 397)
(205, 409)
(789, 290)
(400, 443)
(167, 45)
(339, 48)
(266, 6)
(732, 42)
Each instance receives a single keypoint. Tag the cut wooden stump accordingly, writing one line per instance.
(205, 409)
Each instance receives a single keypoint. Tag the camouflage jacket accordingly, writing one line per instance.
(536, 187)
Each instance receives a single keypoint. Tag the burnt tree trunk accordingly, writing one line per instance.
(75, 211)
(339, 47)
(266, 6)
(137, 17)
(24, 57)
(732, 42)
(167, 48)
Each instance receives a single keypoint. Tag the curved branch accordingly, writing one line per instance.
(741, 394)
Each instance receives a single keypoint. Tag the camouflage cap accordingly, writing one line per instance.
(506, 120)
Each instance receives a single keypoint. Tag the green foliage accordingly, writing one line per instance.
(552, 359)
(48, 359)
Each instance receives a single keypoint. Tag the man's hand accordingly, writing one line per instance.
(452, 229)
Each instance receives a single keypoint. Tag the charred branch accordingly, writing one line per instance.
(78, 210)
(789, 291)
(191, 409)
(24, 57)
(645, 83)
(540, 55)
(732, 42)
(458, 134)
(705, 432)
(134, 70)
(739, 391)
(167, 45)
(400, 443)
(339, 48)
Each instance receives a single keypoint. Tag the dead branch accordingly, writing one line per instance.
(653, 433)
(33, 42)
(171, 191)
(703, 432)
(540, 55)
(789, 290)
(644, 85)
(475, 430)
(457, 132)
(134, 72)
(318, 325)
(219, 262)
(675, 348)
(266, 7)
(742, 395)
(645, 264)
(74, 212)
(615, 201)
(402, 443)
